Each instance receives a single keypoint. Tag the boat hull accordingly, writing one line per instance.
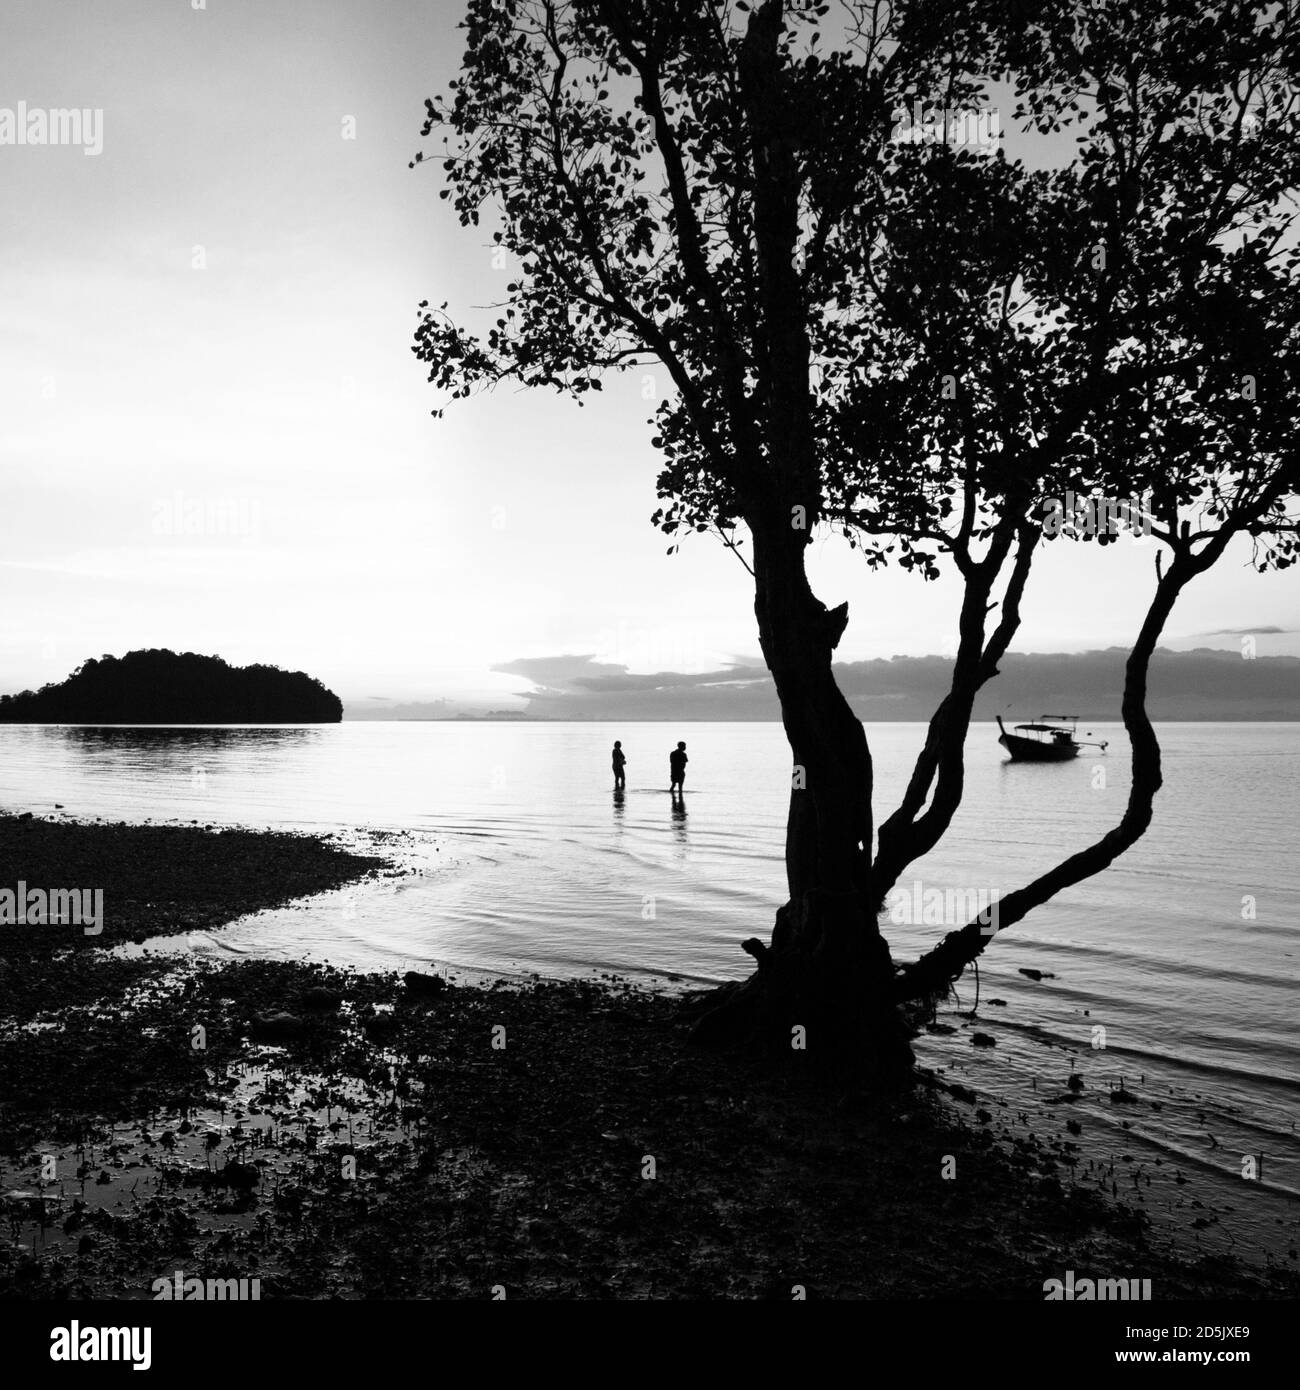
(1028, 750)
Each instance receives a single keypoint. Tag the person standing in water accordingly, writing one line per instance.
(620, 762)
(677, 761)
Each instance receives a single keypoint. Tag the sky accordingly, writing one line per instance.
(214, 436)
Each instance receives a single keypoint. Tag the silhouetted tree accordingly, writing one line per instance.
(164, 687)
(915, 342)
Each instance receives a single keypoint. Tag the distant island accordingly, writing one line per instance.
(158, 686)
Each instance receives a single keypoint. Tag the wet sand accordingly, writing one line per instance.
(338, 1135)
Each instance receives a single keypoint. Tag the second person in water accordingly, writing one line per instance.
(677, 761)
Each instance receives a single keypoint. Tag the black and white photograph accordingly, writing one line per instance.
(649, 654)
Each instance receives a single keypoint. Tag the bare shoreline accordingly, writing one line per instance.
(472, 1163)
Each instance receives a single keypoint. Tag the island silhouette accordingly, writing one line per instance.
(158, 686)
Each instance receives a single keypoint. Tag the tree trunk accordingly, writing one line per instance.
(823, 990)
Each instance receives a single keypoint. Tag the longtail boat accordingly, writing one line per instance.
(1051, 738)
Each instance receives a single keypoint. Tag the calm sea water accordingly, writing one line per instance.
(1186, 952)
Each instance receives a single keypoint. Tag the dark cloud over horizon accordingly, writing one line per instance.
(1205, 683)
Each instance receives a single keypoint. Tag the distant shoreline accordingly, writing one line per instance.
(1202, 684)
(606, 719)
(741, 719)
(1109, 720)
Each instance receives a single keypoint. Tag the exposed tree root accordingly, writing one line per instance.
(820, 997)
